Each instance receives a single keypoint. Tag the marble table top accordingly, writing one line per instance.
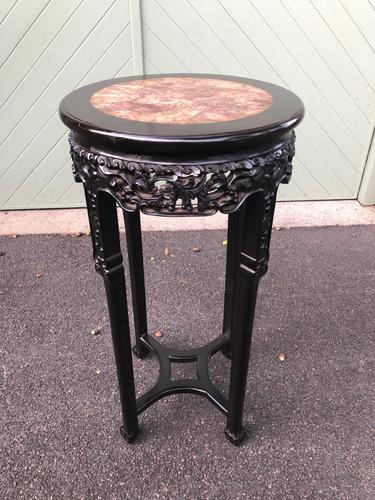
(169, 115)
(182, 100)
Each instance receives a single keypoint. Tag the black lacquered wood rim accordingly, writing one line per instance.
(76, 111)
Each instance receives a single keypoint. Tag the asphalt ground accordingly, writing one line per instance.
(310, 417)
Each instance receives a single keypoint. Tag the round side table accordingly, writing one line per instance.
(182, 145)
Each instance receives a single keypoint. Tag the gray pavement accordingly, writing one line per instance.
(311, 417)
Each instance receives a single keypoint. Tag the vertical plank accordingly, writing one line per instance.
(137, 38)
(366, 193)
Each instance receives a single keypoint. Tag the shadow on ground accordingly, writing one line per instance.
(311, 418)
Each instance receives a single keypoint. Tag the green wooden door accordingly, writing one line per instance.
(323, 50)
(47, 49)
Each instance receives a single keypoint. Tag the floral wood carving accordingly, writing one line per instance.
(200, 189)
(261, 263)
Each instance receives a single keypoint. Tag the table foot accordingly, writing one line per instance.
(236, 438)
(140, 352)
(129, 438)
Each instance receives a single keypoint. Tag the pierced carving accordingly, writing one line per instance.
(200, 189)
(261, 266)
(105, 266)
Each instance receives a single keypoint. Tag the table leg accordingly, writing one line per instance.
(254, 224)
(108, 262)
(137, 280)
(233, 241)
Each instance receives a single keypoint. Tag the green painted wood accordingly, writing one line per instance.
(137, 37)
(90, 44)
(17, 23)
(33, 45)
(332, 52)
(363, 15)
(327, 87)
(51, 65)
(36, 172)
(159, 56)
(164, 28)
(292, 44)
(5, 8)
(324, 51)
(367, 191)
(342, 24)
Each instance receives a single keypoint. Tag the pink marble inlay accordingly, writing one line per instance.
(181, 100)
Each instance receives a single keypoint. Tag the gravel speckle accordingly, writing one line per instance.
(310, 417)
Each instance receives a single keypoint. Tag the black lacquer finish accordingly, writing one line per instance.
(234, 167)
(202, 385)
(166, 141)
(135, 254)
